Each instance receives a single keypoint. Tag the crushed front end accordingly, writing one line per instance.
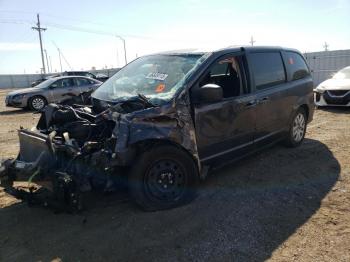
(67, 154)
(75, 149)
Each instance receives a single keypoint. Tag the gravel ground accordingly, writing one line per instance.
(279, 205)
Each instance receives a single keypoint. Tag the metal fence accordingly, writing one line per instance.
(325, 64)
(25, 80)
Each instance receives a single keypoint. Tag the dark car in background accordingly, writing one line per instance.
(40, 80)
(101, 77)
(164, 120)
(53, 90)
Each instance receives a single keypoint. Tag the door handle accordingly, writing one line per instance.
(264, 100)
(251, 103)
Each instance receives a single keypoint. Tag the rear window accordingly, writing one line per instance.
(268, 69)
(296, 65)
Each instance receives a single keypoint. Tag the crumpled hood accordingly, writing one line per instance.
(335, 84)
(25, 91)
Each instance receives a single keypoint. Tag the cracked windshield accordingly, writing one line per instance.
(156, 77)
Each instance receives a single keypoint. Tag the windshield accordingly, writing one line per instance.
(343, 74)
(46, 83)
(157, 77)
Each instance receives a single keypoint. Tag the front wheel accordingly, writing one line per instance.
(297, 129)
(37, 103)
(163, 178)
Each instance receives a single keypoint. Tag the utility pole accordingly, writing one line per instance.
(252, 41)
(121, 38)
(47, 61)
(39, 29)
(59, 56)
(50, 64)
(326, 45)
(117, 57)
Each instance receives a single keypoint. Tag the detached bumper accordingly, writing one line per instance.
(35, 154)
(332, 98)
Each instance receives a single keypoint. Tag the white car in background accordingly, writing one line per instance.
(334, 91)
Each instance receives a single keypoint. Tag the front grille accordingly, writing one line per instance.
(336, 100)
(338, 92)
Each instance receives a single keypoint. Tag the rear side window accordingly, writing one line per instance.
(268, 69)
(66, 82)
(82, 82)
(296, 66)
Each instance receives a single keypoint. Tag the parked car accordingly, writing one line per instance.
(164, 121)
(52, 90)
(100, 77)
(334, 91)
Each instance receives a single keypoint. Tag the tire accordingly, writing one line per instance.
(297, 129)
(162, 178)
(36, 103)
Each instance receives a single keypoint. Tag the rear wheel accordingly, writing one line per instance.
(163, 178)
(37, 103)
(297, 129)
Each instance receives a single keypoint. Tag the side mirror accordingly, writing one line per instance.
(209, 93)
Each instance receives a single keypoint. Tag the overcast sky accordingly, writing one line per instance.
(152, 26)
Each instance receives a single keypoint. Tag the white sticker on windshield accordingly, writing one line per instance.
(157, 76)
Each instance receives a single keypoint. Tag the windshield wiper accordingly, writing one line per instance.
(146, 100)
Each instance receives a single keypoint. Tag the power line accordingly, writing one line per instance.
(61, 55)
(79, 29)
(16, 21)
(58, 17)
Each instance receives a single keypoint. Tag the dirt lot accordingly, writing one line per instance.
(279, 205)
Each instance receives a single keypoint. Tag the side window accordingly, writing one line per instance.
(219, 69)
(268, 69)
(82, 82)
(226, 73)
(56, 84)
(296, 65)
(67, 82)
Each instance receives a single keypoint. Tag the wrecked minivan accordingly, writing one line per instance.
(163, 122)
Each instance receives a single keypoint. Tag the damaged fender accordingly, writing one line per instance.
(165, 123)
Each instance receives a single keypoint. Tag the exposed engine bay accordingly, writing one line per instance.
(72, 148)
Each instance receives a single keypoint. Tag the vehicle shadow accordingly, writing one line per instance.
(15, 112)
(336, 110)
(244, 212)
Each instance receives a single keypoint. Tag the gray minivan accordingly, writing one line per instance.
(165, 120)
